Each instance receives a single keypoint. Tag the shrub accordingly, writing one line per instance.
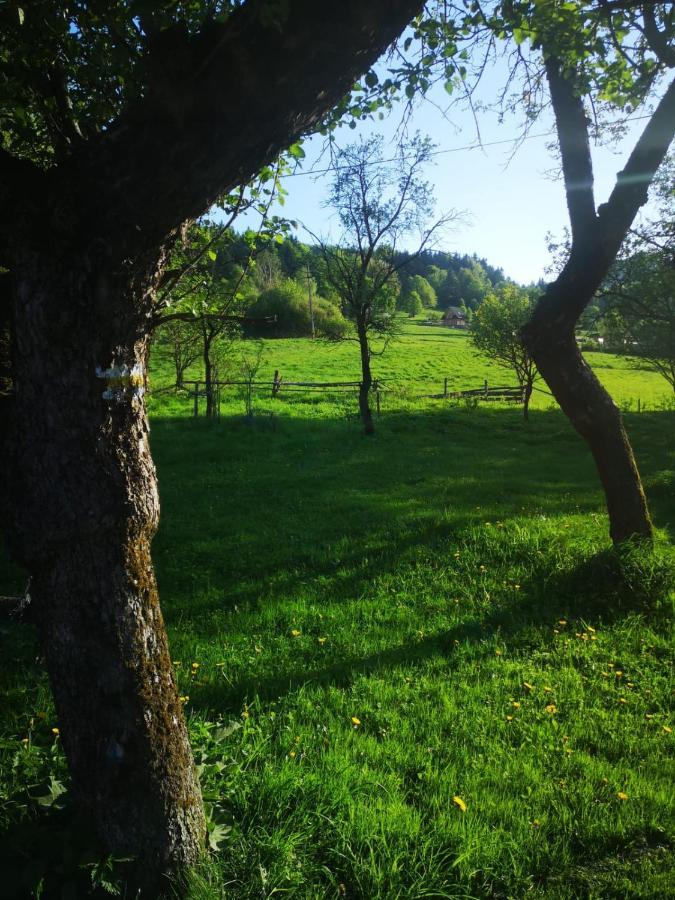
(288, 304)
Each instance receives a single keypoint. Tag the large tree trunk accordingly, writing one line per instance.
(210, 109)
(86, 509)
(366, 382)
(596, 240)
(597, 419)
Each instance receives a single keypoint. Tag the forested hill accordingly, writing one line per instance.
(457, 279)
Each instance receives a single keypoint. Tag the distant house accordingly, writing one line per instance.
(454, 318)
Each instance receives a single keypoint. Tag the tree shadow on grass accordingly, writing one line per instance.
(314, 509)
(601, 590)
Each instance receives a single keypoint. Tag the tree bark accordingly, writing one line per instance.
(87, 509)
(527, 394)
(208, 370)
(596, 240)
(85, 242)
(366, 382)
(597, 419)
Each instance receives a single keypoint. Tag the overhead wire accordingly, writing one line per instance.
(476, 145)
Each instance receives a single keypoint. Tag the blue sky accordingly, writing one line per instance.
(512, 200)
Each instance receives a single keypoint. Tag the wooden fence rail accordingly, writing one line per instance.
(507, 393)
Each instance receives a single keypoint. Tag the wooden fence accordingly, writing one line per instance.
(278, 386)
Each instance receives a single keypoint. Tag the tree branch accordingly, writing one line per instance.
(632, 185)
(190, 122)
(575, 150)
(657, 40)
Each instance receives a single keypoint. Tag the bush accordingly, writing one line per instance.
(289, 305)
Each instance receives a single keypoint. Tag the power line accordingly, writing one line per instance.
(479, 145)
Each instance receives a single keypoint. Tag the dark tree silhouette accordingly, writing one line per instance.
(117, 129)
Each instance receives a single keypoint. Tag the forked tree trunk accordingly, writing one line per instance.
(597, 419)
(366, 382)
(87, 509)
(596, 239)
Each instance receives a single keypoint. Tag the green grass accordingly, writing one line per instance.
(419, 583)
(416, 364)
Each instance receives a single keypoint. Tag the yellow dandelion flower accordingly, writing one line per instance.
(562, 622)
(528, 686)
(551, 709)
(509, 718)
(295, 632)
(515, 704)
(516, 587)
(56, 731)
(590, 628)
(667, 729)
(322, 640)
(622, 796)
(292, 754)
(498, 652)
(649, 715)
(195, 665)
(356, 722)
(24, 741)
(618, 673)
(536, 823)
(623, 700)
(548, 690)
(459, 803)
(556, 631)
(184, 698)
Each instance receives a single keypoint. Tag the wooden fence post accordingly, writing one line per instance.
(377, 397)
(445, 388)
(276, 385)
(486, 387)
(196, 406)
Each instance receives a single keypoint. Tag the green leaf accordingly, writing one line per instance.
(218, 834)
(20, 13)
(372, 79)
(212, 255)
(296, 151)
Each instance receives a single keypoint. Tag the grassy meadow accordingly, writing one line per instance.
(412, 665)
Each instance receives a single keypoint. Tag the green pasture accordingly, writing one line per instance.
(412, 665)
(414, 364)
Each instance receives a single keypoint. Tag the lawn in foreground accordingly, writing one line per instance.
(411, 666)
